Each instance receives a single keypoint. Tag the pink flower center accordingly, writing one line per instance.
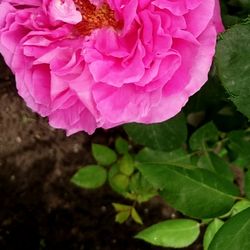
(95, 17)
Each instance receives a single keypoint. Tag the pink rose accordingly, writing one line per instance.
(101, 63)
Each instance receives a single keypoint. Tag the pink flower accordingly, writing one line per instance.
(101, 63)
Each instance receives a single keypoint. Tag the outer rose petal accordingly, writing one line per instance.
(217, 17)
(143, 71)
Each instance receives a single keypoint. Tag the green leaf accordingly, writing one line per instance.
(91, 176)
(240, 206)
(103, 154)
(120, 181)
(234, 234)
(121, 146)
(124, 211)
(210, 232)
(196, 193)
(171, 233)
(165, 136)
(239, 143)
(206, 221)
(201, 136)
(135, 216)
(140, 189)
(247, 184)
(126, 164)
(113, 171)
(200, 141)
(214, 163)
(177, 157)
(233, 65)
(121, 217)
(121, 207)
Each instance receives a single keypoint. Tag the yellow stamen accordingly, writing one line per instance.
(95, 17)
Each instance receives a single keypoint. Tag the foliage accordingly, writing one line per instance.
(192, 161)
(172, 233)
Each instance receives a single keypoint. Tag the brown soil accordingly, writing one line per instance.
(39, 207)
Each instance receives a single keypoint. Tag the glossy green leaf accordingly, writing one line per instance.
(234, 234)
(121, 207)
(165, 136)
(177, 157)
(113, 171)
(201, 136)
(196, 193)
(126, 164)
(214, 163)
(171, 233)
(124, 211)
(240, 206)
(91, 176)
(103, 154)
(239, 143)
(141, 189)
(120, 181)
(121, 145)
(210, 232)
(233, 63)
(135, 216)
(121, 217)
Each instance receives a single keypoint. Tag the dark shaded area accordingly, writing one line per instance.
(40, 208)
